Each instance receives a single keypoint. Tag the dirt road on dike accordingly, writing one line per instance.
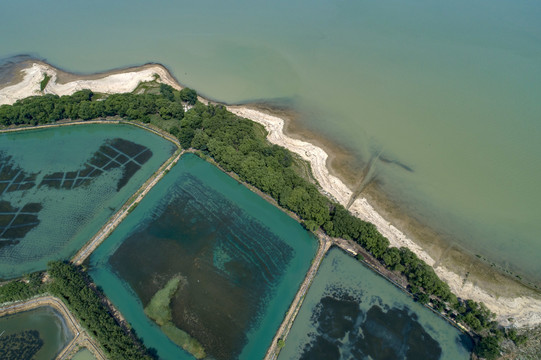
(117, 218)
(274, 349)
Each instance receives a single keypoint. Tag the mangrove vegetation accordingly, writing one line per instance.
(72, 285)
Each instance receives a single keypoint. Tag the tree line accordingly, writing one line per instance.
(85, 105)
(240, 145)
(72, 285)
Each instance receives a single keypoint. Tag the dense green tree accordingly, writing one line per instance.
(391, 257)
(423, 298)
(188, 95)
(167, 92)
(72, 285)
(488, 347)
(177, 110)
(15, 290)
(81, 95)
(86, 111)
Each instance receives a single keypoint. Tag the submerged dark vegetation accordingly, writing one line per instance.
(23, 345)
(239, 145)
(369, 333)
(205, 247)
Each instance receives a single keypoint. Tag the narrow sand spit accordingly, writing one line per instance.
(524, 310)
(109, 84)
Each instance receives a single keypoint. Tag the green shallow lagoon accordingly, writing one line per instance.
(59, 185)
(350, 312)
(237, 262)
(38, 334)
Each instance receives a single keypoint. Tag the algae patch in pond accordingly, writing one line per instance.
(236, 262)
(59, 185)
(159, 310)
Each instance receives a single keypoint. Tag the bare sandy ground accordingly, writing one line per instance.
(109, 83)
(521, 310)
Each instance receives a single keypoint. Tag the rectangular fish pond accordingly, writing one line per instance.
(38, 334)
(350, 312)
(83, 354)
(59, 185)
(204, 264)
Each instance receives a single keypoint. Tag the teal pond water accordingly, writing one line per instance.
(38, 334)
(449, 89)
(239, 258)
(350, 312)
(59, 185)
(84, 354)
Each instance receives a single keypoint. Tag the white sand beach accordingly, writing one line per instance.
(113, 83)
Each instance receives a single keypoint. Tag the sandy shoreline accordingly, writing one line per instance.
(109, 83)
(524, 310)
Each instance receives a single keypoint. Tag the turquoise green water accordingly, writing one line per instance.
(58, 186)
(84, 354)
(239, 258)
(53, 333)
(450, 89)
(352, 313)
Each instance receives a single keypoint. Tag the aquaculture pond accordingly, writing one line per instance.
(204, 263)
(59, 185)
(38, 334)
(84, 354)
(350, 312)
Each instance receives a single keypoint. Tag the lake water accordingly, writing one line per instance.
(350, 312)
(59, 185)
(38, 334)
(450, 90)
(239, 259)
